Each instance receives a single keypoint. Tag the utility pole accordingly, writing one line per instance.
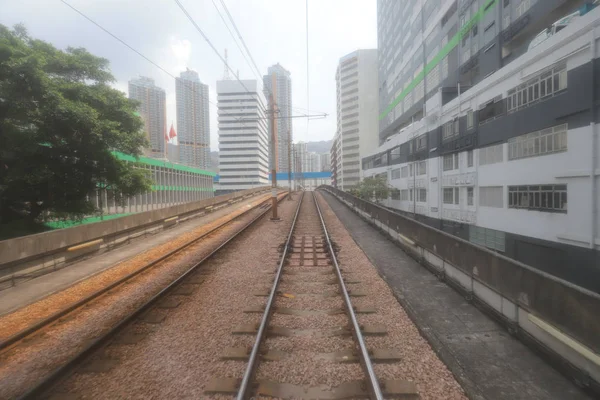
(289, 165)
(273, 158)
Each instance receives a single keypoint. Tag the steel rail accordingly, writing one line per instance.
(364, 352)
(243, 390)
(80, 303)
(61, 372)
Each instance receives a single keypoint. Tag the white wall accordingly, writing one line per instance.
(571, 167)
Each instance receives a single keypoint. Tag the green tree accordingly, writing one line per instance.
(372, 188)
(59, 122)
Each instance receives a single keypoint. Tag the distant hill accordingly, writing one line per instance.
(319, 147)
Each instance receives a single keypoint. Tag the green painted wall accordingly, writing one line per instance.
(452, 43)
(160, 163)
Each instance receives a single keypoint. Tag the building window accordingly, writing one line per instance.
(404, 172)
(395, 194)
(469, 196)
(404, 195)
(490, 238)
(450, 162)
(433, 78)
(422, 142)
(550, 198)
(506, 21)
(396, 173)
(451, 196)
(445, 67)
(491, 110)
(411, 194)
(523, 7)
(450, 129)
(546, 141)
(470, 158)
(470, 121)
(422, 168)
(491, 196)
(466, 55)
(411, 170)
(491, 155)
(540, 87)
(419, 91)
(422, 195)
(395, 153)
(408, 101)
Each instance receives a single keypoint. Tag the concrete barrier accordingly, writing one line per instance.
(29, 256)
(556, 317)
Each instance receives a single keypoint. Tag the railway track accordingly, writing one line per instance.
(222, 234)
(309, 326)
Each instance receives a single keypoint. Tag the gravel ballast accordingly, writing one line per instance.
(419, 362)
(26, 316)
(29, 361)
(182, 354)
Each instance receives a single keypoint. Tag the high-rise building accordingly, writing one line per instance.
(487, 109)
(243, 135)
(193, 124)
(302, 157)
(279, 83)
(153, 110)
(357, 110)
(325, 162)
(315, 162)
(334, 160)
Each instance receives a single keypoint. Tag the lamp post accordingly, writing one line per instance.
(274, 217)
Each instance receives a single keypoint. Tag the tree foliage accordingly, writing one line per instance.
(59, 122)
(372, 188)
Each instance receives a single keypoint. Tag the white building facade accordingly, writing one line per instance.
(278, 81)
(302, 157)
(513, 163)
(243, 135)
(357, 110)
(153, 110)
(325, 162)
(193, 122)
(314, 162)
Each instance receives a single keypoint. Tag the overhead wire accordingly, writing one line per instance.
(191, 19)
(252, 64)
(240, 36)
(232, 35)
(129, 46)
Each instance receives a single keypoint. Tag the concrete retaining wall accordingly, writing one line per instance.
(33, 255)
(558, 318)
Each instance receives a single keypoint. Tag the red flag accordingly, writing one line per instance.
(166, 136)
(172, 133)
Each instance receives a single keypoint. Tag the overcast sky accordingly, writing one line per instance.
(274, 31)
